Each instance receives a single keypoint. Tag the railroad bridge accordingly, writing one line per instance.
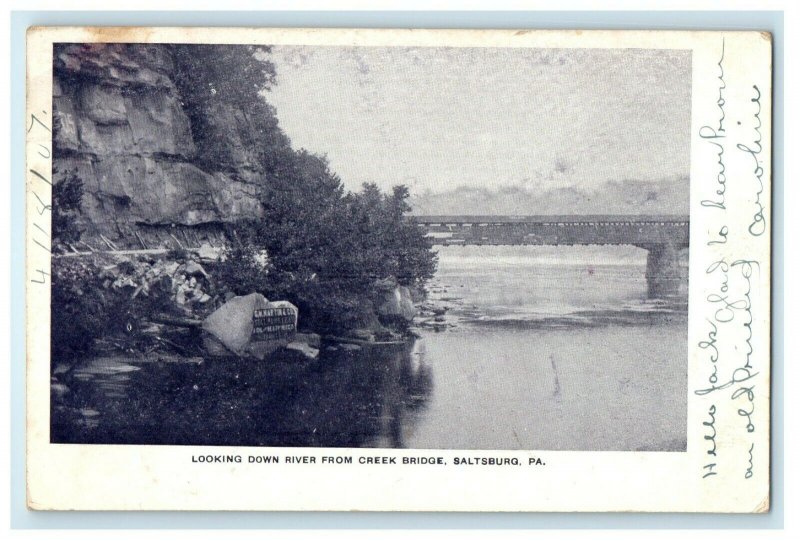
(662, 236)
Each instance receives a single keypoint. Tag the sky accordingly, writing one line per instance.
(440, 119)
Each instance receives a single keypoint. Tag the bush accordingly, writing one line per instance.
(67, 197)
(85, 305)
(326, 247)
(240, 271)
(78, 312)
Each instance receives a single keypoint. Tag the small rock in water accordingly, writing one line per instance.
(89, 413)
(309, 352)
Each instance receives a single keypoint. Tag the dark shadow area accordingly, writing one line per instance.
(345, 398)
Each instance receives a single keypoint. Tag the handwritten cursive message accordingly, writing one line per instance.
(733, 202)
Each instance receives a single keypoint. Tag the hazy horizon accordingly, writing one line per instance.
(668, 197)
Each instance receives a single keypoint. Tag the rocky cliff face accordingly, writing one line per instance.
(120, 124)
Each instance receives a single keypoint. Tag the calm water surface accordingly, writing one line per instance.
(540, 348)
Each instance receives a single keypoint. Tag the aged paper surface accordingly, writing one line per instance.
(566, 308)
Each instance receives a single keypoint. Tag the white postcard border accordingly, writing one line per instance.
(89, 477)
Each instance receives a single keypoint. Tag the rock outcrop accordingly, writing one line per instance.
(121, 126)
(393, 302)
(235, 325)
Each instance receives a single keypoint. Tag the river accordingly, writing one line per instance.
(548, 348)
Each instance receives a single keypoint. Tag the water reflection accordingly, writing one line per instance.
(346, 398)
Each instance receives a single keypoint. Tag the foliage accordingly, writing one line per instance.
(78, 316)
(240, 271)
(82, 309)
(392, 245)
(227, 80)
(86, 305)
(67, 197)
(327, 247)
(236, 72)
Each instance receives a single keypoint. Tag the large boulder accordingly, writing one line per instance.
(251, 325)
(393, 302)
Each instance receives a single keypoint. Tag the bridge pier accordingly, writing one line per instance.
(664, 272)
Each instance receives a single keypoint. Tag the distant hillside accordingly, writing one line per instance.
(669, 196)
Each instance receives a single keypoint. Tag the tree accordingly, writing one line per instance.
(325, 247)
(67, 197)
(237, 73)
(226, 81)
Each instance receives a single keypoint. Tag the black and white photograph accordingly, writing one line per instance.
(467, 248)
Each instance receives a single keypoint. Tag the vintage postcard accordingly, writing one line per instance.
(306, 269)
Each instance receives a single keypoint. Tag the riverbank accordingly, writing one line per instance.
(140, 303)
(530, 356)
